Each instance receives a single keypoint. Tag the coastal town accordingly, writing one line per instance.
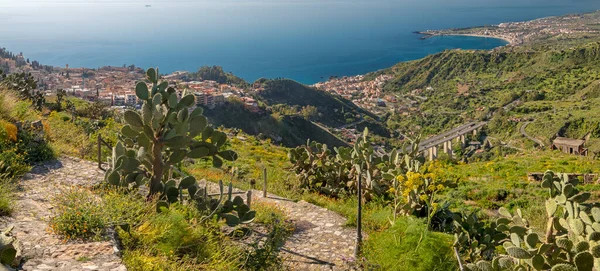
(526, 32)
(369, 94)
(112, 85)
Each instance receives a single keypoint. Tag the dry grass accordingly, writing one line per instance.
(8, 102)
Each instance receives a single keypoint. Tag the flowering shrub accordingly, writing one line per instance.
(12, 163)
(414, 192)
(8, 131)
(79, 214)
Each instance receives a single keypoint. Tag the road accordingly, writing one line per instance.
(522, 130)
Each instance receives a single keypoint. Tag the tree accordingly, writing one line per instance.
(60, 95)
(309, 112)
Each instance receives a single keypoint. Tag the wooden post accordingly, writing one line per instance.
(265, 182)
(460, 265)
(359, 220)
(99, 152)
(249, 198)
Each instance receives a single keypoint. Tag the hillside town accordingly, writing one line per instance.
(369, 94)
(519, 33)
(112, 85)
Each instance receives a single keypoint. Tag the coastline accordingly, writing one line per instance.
(510, 41)
(427, 35)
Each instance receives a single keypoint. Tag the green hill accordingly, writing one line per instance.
(290, 131)
(332, 110)
(557, 88)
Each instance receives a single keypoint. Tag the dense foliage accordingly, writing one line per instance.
(288, 130)
(571, 236)
(332, 110)
(216, 73)
(550, 86)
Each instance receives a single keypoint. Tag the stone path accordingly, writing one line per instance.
(320, 240)
(41, 249)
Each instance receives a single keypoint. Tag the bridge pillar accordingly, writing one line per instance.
(449, 148)
(432, 153)
(445, 147)
(475, 132)
(463, 140)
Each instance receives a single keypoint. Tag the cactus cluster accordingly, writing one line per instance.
(233, 210)
(166, 131)
(572, 240)
(475, 238)
(321, 170)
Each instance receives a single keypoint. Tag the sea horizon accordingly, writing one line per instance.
(314, 41)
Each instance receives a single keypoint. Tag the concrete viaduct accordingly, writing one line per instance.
(429, 147)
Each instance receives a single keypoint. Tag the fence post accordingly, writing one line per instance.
(99, 151)
(264, 182)
(249, 198)
(359, 219)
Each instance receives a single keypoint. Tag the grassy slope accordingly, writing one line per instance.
(291, 130)
(332, 108)
(562, 77)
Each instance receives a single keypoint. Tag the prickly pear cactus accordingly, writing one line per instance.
(163, 133)
(321, 170)
(572, 240)
(233, 210)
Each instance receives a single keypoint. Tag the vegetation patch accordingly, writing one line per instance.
(409, 245)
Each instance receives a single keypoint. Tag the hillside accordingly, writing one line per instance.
(289, 130)
(332, 110)
(553, 87)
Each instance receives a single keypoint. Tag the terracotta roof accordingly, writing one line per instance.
(568, 141)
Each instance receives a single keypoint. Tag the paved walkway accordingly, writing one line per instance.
(41, 249)
(320, 240)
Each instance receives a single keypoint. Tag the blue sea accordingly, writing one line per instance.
(305, 40)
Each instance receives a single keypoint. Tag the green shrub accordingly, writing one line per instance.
(68, 138)
(122, 207)
(33, 149)
(78, 214)
(174, 237)
(12, 163)
(264, 255)
(268, 213)
(6, 197)
(408, 245)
